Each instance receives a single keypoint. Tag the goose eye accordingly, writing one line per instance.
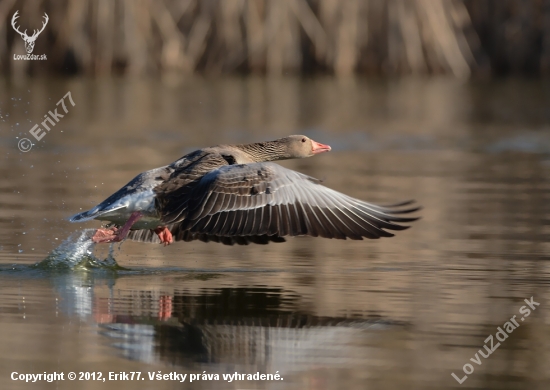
(303, 140)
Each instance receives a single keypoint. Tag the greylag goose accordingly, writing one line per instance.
(234, 194)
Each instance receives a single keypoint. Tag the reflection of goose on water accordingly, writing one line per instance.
(254, 328)
(257, 328)
(234, 194)
(327, 341)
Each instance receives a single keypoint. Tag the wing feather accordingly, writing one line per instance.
(265, 199)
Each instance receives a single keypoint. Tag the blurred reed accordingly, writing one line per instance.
(281, 36)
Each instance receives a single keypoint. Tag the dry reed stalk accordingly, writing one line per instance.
(293, 54)
(434, 58)
(172, 55)
(275, 37)
(444, 41)
(395, 39)
(231, 39)
(105, 22)
(346, 53)
(76, 39)
(198, 34)
(311, 26)
(279, 36)
(5, 7)
(467, 40)
(136, 29)
(545, 55)
(71, 37)
(410, 28)
(328, 19)
(255, 34)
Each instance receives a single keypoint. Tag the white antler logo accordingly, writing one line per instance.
(29, 41)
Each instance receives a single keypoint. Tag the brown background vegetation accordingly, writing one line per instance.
(375, 37)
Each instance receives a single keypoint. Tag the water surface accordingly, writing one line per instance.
(396, 313)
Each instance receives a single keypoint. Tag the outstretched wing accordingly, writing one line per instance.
(265, 199)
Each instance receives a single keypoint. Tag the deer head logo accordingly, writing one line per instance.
(29, 41)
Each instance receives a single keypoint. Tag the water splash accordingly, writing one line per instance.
(76, 252)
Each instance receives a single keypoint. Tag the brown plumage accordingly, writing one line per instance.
(234, 194)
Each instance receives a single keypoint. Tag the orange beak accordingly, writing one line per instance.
(319, 148)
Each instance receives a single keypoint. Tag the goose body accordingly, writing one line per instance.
(236, 194)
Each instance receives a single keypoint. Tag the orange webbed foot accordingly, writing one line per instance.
(165, 235)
